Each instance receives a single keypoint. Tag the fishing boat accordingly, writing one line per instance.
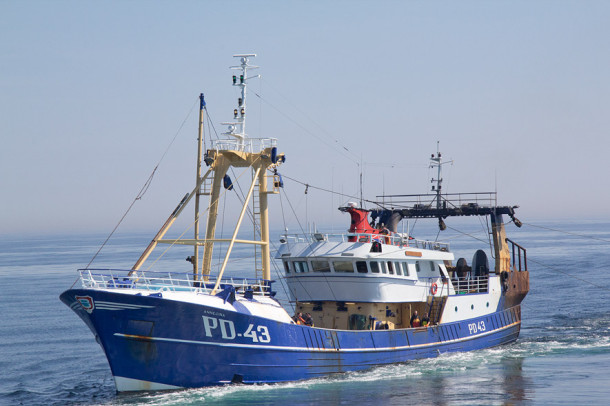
(368, 297)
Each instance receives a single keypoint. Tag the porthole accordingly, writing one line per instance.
(456, 308)
(487, 304)
(471, 307)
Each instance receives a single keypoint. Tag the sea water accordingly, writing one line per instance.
(48, 355)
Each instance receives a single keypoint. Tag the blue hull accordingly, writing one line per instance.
(180, 344)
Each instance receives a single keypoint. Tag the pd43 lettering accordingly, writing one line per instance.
(226, 328)
(474, 328)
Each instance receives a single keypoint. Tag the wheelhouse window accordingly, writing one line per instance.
(390, 268)
(343, 266)
(405, 269)
(398, 269)
(361, 267)
(374, 266)
(300, 266)
(287, 266)
(425, 266)
(320, 266)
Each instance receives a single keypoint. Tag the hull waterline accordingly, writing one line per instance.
(154, 343)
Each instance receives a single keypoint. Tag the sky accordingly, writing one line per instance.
(516, 93)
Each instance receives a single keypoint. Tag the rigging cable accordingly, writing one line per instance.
(147, 184)
(242, 201)
(339, 147)
(540, 263)
(488, 236)
(567, 232)
(295, 215)
(309, 185)
(243, 196)
(568, 274)
(221, 195)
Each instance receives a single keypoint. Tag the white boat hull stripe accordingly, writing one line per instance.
(306, 349)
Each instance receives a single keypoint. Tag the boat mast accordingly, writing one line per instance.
(240, 151)
(436, 161)
(195, 258)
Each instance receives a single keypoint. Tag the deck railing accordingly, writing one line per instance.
(165, 281)
(520, 256)
(475, 284)
(394, 239)
(247, 145)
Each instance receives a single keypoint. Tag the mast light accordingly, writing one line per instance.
(235, 113)
(234, 79)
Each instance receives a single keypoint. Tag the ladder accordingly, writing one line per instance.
(256, 218)
(206, 186)
(435, 310)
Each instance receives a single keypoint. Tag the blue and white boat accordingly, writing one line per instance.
(365, 298)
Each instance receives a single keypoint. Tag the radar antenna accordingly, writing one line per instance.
(436, 161)
(237, 129)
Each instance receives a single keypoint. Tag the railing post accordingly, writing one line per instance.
(519, 260)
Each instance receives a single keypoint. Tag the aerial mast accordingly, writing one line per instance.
(436, 161)
(237, 128)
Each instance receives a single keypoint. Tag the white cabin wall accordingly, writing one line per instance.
(473, 305)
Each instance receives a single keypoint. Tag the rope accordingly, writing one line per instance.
(339, 147)
(309, 185)
(488, 241)
(138, 197)
(543, 265)
(241, 197)
(221, 195)
(147, 184)
(567, 232)
(295, 215)
(568, 274)
(466, 234)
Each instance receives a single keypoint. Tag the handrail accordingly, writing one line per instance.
(246, 145)
(419, 201)
(164, 281)
(437, 315)
(394, 239)
(474, 284)
(520, 250)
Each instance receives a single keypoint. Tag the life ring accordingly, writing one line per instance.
(433, 288)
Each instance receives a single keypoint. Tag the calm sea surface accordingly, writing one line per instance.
(48, 355)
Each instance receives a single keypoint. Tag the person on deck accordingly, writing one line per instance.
(298, 318)
(425, 321)
(308, 320)
(384, 231)
(415, 321)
